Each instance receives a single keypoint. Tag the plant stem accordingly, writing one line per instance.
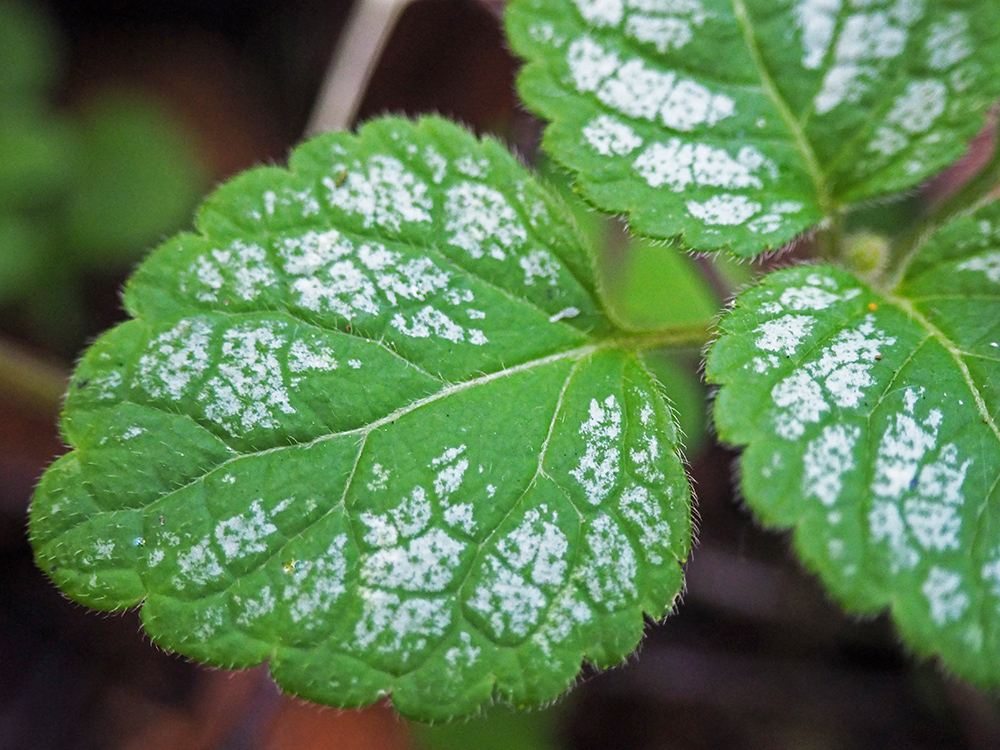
(357, 53)
(30, 379)
(696, 334)
(971, 196)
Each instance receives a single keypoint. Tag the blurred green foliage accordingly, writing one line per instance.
(500, 728)
(80, 195)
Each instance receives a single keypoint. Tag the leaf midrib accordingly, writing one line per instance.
(364, 430)
(954, 351)
(802, 144)
(633, 342)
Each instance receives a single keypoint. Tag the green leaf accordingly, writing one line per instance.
(742, 123)
(870, 420)
(371, 425)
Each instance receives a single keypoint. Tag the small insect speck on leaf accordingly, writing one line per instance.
(872, 306)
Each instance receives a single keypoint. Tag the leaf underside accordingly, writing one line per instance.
(371, 425)
(871, 425)
(740, 124)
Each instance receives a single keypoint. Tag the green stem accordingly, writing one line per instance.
(30, 380)
(697, 334)
(829, 238)
(970, 197)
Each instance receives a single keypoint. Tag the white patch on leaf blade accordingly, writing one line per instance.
(465, 654)
(389, 622)
(506, 600)
(249, 389)
(306, 357)
(306, 254)
(839, 375)
(724, 210)
(564, 314)
(539, 264)
(666, 25)
(827, 458)
(948, 42)
(601, 12)
(460, 516)
(639, 506)
(987, 263)
(902, 448)
(916, 109)
(610, 566)
(784, 334)
(384, 193)
(800, 402)
(537, 548)
(315, 585)
(452, 469)
(244, 534)
(252, 274)
(947, 601)
(817, 21)
(426, 563)
(920, 490)
(597, 470)
(633, 89)
(413, 514)
(866, 42)
(253, 608)
(482, 222)
(429, 321)
(567, 612)
(991, 574)
(590, 63)
(647, 458)
(678, 165)
(198, 565)
(775, 217)
(610, 136)
(174, 358)
(886, 524)
(808, 298)
(690, 104)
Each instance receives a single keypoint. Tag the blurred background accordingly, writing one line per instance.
(116, 118)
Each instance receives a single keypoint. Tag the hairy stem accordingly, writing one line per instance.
(697, 334)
